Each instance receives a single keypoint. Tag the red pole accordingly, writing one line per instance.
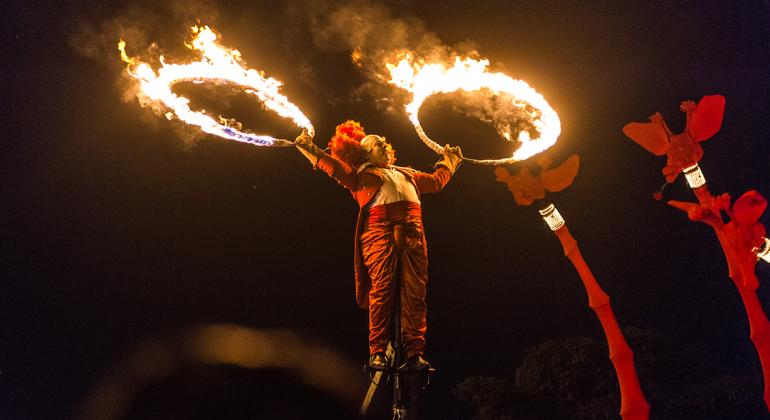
(759, 332)
(633, 405)
(740, 263)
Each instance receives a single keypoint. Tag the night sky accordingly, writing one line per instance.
(117, 227)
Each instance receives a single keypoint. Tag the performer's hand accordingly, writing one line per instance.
(453, 150)
(305, 145)
(453, 157)
(304, 139)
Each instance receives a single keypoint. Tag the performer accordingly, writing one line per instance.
(388, 196)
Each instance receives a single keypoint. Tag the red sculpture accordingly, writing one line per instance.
(743, 236)
(683, 150)
(526, 188)
(739, 238)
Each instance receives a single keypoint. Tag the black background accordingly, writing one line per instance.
(115, 229)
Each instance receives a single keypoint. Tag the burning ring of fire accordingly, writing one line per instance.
(218, 65)
(424, 80)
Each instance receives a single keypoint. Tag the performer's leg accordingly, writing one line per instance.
(379, 259)
(414, 280)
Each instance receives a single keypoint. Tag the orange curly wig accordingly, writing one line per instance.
(345, 144)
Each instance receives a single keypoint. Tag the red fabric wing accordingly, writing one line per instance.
(652, 136)
(749, 208)
(706, 120)
(561, 177)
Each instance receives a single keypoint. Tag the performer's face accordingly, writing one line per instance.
(380, 151)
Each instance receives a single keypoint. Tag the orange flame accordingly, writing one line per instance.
(218, 64)
(425, 79)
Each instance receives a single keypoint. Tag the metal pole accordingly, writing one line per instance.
(399, 410)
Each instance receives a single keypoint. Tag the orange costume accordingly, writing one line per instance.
(375, 259)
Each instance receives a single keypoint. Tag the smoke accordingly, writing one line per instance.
(138, 24)
(370, 32)
(497, 110)
(145, 26)
(373, 35)
(369, 28)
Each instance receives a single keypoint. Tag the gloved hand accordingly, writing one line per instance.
(303, 139)
(306, 146)
(452, 158)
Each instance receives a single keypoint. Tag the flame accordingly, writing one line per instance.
(425, 79)
(356, 56)
(219, 65)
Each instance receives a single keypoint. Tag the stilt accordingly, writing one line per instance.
(408, 385)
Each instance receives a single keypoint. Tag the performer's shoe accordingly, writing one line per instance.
(378, 361)
(416, 363)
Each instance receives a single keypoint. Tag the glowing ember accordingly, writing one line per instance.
(218, 65)
(426, 79)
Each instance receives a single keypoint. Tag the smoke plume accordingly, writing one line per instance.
(374, 35)
(144, 26)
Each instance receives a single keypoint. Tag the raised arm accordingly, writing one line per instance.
(445, 168)
(305, 145)
(339, 171)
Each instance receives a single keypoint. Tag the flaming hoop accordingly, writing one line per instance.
(425, 79)
(218, 65)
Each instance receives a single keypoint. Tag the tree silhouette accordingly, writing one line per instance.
(573, 379)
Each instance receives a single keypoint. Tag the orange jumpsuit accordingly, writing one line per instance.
(375, 261)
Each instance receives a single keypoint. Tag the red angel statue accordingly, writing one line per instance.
(683, 150)
(740, 236)
(739, 239)
(526, 188)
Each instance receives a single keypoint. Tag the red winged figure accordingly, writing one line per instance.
(683, 150)
(739, 239)
(740, 236)
(526, 188)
